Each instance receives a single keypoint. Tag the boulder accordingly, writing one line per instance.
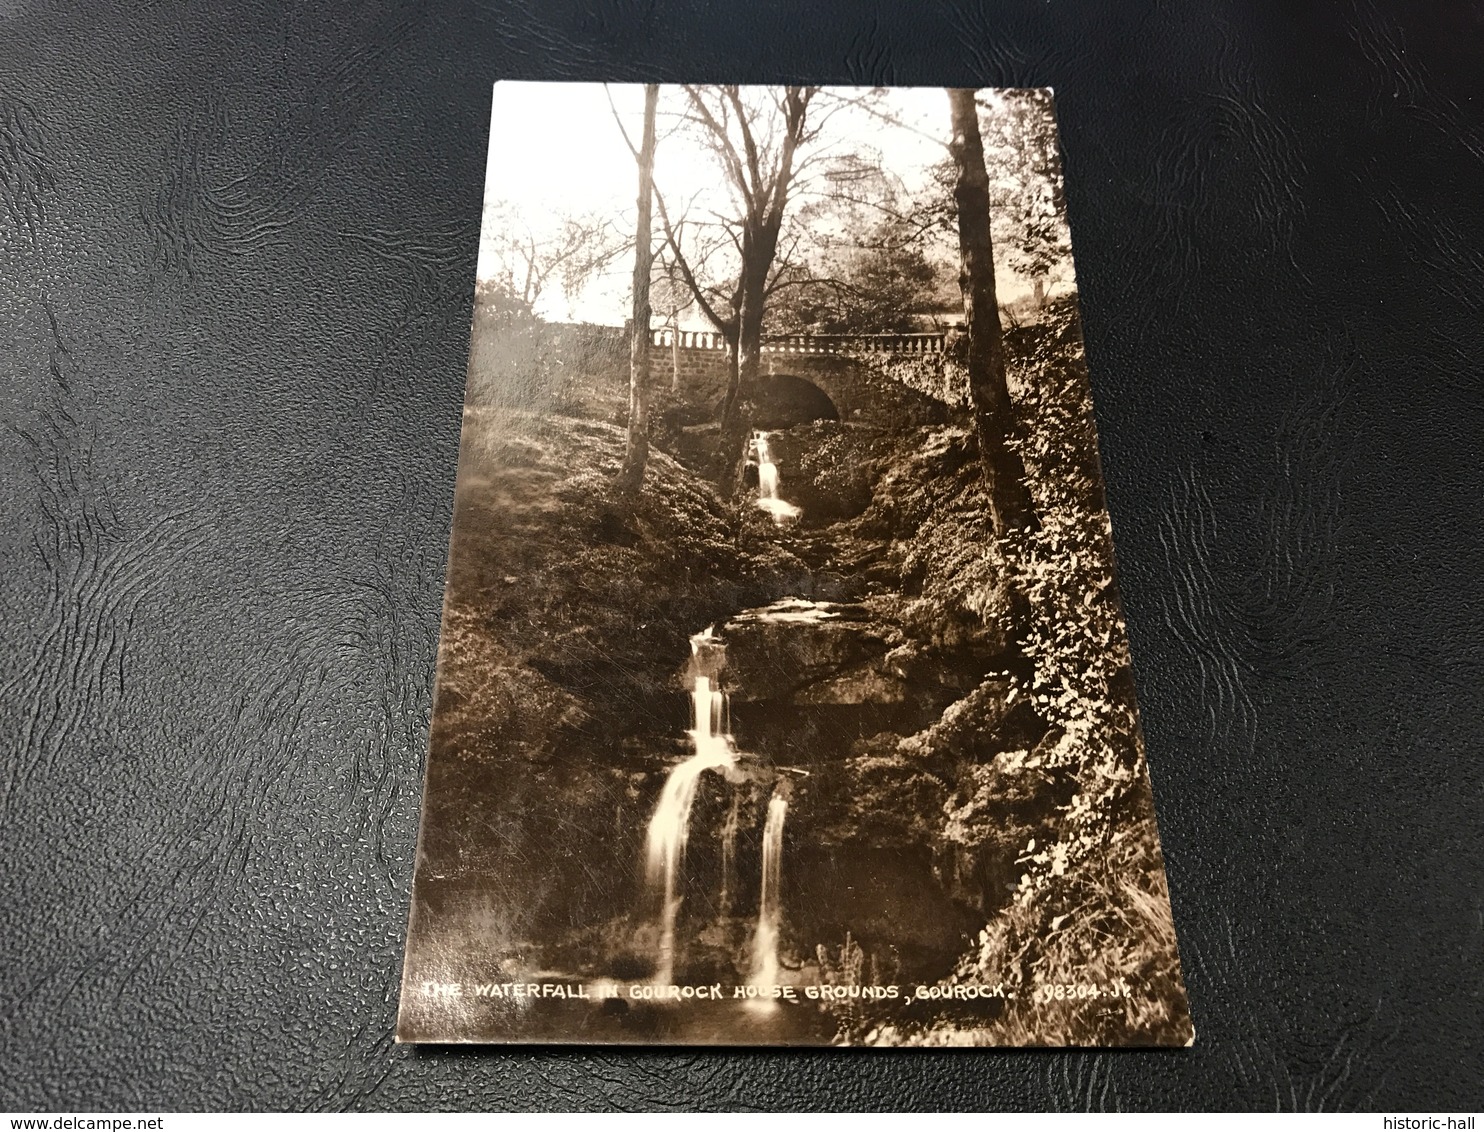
(814, 653)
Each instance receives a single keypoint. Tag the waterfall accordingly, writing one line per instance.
(770, 905)
(669, 828)
(767, 483)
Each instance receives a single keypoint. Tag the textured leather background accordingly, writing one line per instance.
(237, 247)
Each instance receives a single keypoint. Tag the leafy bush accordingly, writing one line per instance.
(1091, 906)
(1073, 812)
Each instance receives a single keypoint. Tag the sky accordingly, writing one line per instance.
(556, 150)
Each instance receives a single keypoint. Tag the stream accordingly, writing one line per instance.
(715, 749)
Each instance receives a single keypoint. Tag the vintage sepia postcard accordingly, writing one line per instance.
(783, 692)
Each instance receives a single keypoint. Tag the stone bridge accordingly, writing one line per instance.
(902, 378)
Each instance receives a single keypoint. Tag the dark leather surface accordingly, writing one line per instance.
(237, 247)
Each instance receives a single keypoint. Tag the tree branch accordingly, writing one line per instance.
(750, 146)
(722, 143)
(685, 270)
(609, 94)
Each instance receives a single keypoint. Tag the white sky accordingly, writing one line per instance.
(555, 150)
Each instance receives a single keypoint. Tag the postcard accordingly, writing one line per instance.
(783, 695)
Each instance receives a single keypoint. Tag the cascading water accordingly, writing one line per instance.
(669, 828)
(767, 483)
(770, 906)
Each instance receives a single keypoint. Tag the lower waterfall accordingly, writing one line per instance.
(770, 904)
(669, 828)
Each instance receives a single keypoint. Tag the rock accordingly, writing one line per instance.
(871, 683)
(887, 899)
(828, 468)
(813, 653)
(994, 717)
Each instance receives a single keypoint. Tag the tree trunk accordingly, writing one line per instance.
(636, 452)
(764, 194)
(735, 431)
(1001, 466)
(759, 246)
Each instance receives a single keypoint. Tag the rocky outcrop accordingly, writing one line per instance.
(814, 653)
(830, 469)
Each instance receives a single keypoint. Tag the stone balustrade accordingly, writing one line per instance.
(915, 344)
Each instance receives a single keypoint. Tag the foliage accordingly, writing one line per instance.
(1091, 906)
(1096, 923)
(1077, 640)
(872, 258)
(1026, 198)
(880, 281)
(930, 506)
(1072, 811)
(552, 602)
(848, 968)
(508, 356)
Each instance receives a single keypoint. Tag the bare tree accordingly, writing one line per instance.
(1001, 465)
(572, 250)
(636, 453)
(756, 145)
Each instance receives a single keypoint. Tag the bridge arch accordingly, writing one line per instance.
(783, 400)
(869, 378)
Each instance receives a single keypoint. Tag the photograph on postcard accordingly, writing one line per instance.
(784, 695)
